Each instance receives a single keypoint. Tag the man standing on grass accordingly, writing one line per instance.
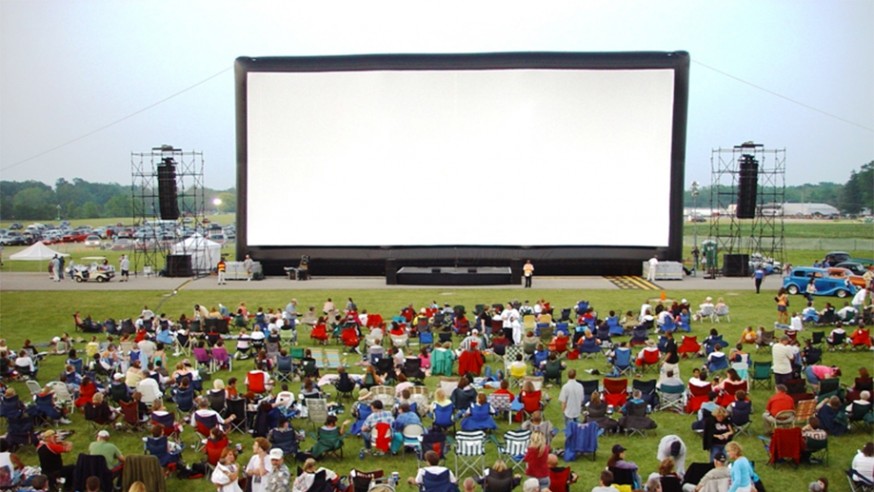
(528, 273)
(571, 398)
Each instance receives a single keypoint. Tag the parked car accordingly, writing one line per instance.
(122, 244)
(74, 237)
(835, 257)
(797, 280)
(92, 241)
(845, 273)
(12, 238)
(853, 266)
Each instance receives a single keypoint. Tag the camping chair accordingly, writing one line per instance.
(818, 337)
(589, 387)
(838, 342)
(328, 442)
(470, 453)
(380, 438)
(858, 482)
(639, 336)
(689, 345)
(761, 374)
(728, 391)
(784, 445)
(444, 416)
(817, 449)
(256, 382)
(804, 409)
(671, 397)
(589, 347)
(411, 434)
(237, 406)
(719, 313)
(317, 411)
(501, 404)
(647, 391)
(365, 481)
(861, 340)
(615, 391)
(650, 360)
(514, 447)
(697, 396)
(636, 415)
(765, 340)
(860, 416)
(284, 369)
(622, 362)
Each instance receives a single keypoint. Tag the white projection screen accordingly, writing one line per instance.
(564, 157)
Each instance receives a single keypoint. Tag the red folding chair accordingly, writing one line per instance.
(689, 345)
(726, 398)
(697, 396)
(256, 382)
(615, 391)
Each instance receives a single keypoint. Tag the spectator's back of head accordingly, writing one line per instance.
(531, 485)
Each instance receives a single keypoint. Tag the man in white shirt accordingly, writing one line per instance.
(859, 299)
(782, 356)
(653, 266)
(571, 398)
(847, 312)
(863, 462)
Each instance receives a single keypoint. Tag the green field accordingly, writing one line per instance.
(39, 317)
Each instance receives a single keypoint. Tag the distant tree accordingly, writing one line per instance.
(118, 206)
(34, 203)
(858, 192)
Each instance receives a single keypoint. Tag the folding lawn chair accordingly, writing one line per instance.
(470, 453)
(514, 447)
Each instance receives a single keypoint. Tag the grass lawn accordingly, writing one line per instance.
(39, 317)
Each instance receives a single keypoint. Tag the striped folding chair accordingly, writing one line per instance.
(470, 453)
(514, 447)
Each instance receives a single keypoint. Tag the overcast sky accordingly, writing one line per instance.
(84, 84)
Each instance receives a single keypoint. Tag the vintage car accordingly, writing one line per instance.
(846, 273)
(797, 280)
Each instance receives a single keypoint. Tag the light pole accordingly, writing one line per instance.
(695, 223)
(217, 202)
(59, 212)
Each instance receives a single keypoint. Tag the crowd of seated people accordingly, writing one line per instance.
(140, 355)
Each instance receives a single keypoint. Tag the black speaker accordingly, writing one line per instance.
(748, 180)
(736, 265)
(179, 266)
(167, 195)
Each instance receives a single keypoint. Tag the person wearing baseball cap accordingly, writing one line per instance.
(113, 455)
(710, 481)
(618, 462)
(279, 478)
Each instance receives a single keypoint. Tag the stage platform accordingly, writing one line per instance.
(453, 276)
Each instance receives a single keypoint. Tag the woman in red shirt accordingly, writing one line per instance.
(86, 392)
(537, 459)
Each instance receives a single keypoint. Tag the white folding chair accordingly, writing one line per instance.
(470, 453)
(514, 447)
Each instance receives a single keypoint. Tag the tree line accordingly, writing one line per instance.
(80, 199)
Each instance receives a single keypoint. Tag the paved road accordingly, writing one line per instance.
(17, 281)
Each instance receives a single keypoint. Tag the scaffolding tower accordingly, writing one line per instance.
(763, 235)
(155, 237)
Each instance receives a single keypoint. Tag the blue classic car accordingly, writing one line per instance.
(797, 280)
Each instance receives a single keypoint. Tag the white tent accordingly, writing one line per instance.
(205, 254)
(36, 252)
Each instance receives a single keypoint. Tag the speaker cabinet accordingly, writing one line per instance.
(179, 266)
(167, 194)
(748, 180)
(736, 265)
